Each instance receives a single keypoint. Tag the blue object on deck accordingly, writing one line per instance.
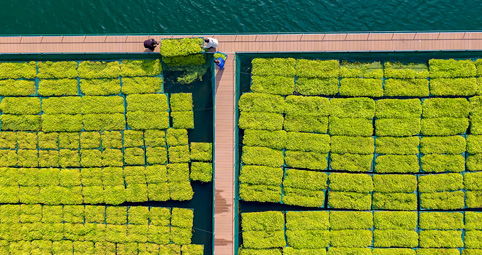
(221, 59)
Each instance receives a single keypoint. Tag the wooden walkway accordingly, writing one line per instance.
(225, 82)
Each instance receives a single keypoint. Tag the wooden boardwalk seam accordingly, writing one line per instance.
(225, 82)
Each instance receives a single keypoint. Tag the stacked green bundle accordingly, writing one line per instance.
(273, 76)
(20, 113)
(397, 154)
(45, 229)
(306, 114)
(307, 151)
(452, 77)
(317, 77)
(147, 111)
(474, 150)
(350, 191)
(473, 232)
(181, 47)
(441, 230)
(182, 113)
(264, 230)
(395, 229)
(201, 161)
(18, 70)
(361, 79)
(261, 111)
(307, 232)
(351, 229)
(407, 80)
(352, 117)
(395, 192)
(260, 183)
(304, 188)
(131, 85)
(473, 187)
(445, 116)
(441, 191)
(443, 153)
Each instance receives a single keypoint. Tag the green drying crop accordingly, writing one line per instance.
(351, 238)
(340, 220)
(351, 162)
(442, 200)
(394, 183)
(201, 171)
(260, 102)
(303, 197)
(476, 125)
(474, 199)
(361, 70)
(61, 105)
(262, 156)
(441, 220)
(446, 107)
(151, 137)
(189, 249)
(347, 144)
(306, 160)
(133, 138)
(57, 69)
(102, 104)
(314, 87)
(443, 163)
(20, 105)
(177, 137)
(350, 126)
(18, 70)
(474, 144)
(405, 71)
(100, 87)
(390, 251)
(307, 220)
(277, 85)
(88, 140)
(156, 155)
(145, 67)
(317, 68)
(115, 121)
(353, 107)
(301, 179)
(265, 138)
(273, 66)
(293, 251)
(262, 221)
(261, 120)
(443, 144)
(473, 239)
(178, 154)
(61, 87)
(444, 126)
(397, 145)
(262, 239)
(183, 119)
(441, 239)
(349, 200)
(307, 142)
(351, 182)
(301, 105)
(306, 123)
(395, 201)
(243, 251)
(361, 87)
(141, 85)
(181, 47)
(20, 122)
(313, 239)
(261, 175)
(473, 181)
(181, 102)
(473, 220)
(395, 220)
(351, 251)
(201, 151)
(139, 120)
(147, 103)
(398, 108)
(16, 87)
(476, 106)
(397, 164)
(99, 69)
(395, 238)
(451, 68)
(453, 87)
(397, 127)
(406, 88)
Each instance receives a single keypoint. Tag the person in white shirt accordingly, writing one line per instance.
(210, 43)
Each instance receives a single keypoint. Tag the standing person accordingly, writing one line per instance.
(210, 43)
(220, 59)
(150, 44)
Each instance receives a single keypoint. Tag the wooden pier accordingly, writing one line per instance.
(225, 82)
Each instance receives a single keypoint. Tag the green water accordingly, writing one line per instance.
(235, 16)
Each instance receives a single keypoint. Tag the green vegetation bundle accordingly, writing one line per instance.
(341, 220)
(303, 239)
(260, 193)
(444, 126)
(201, 171)
(306, 123)
(357, 145)
(351, 182)
(350, 126)
(181, 102)
(442, 200)
(473, 181)
(261, 175)
(20, 105)
(395, 220)
(141, 85)
(395, 201)
(351, 162)
(476, 106)
(157, 120)
(145, 67)
(306, 160)
(301, 105)
(344, 251)
(453, 87)
(18, 70)
(181, 47)
(359, 87)
(262, 221)
(443, 163)
(201, 151)
(315, 87)
(317, 68)
(361, 70)
(17, 87)
(397, 164)
(394, 183)
(451, 68)
(406, 88)
(62, 105)
(442, 220)
(99, 69)
(441, 239)
(307, 142)
(405, 71)
(397, 127)
(147, 103)
(398, 108)
(351, 238)
(273, 66)
(183, 119)
(61, 87)
(261, 120)
(100, 87)
(444, 144)
(446, 107)
(349, 200)
(352, 107)
(277, 85)
(397, 145)
(474, 162)
(262, 156)
(441, 182)
(309, 180)
(395, 238)
(264, 138)
(260, 102)
(57, 69)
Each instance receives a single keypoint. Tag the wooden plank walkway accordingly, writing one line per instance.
(225, 82)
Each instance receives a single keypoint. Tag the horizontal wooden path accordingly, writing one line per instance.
(225, 82)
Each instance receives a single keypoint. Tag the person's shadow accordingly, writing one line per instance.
(219, 74)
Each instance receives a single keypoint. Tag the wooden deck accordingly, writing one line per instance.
(225, 93)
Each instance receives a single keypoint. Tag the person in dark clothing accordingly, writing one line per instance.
(150, 44)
